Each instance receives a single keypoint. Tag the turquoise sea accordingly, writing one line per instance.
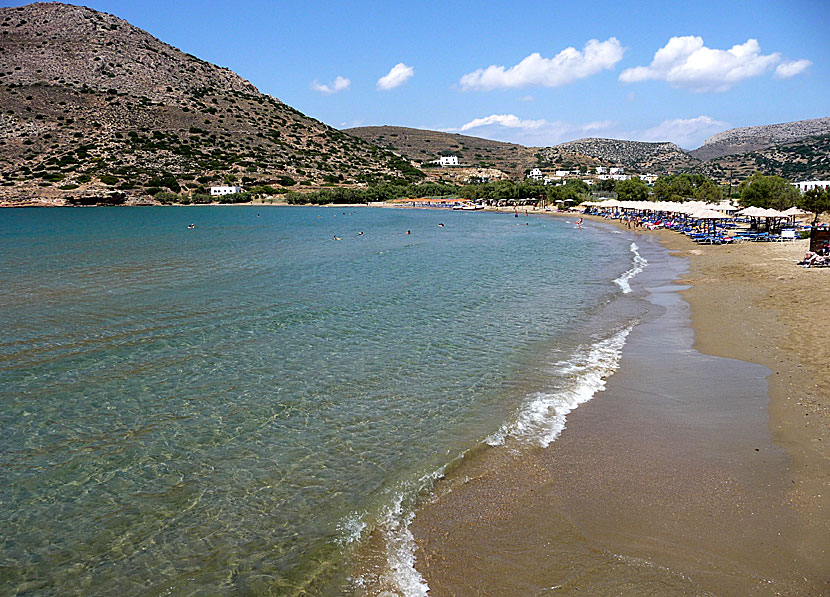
(233, 408)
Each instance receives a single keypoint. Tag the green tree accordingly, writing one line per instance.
(816, 201)
(771, 192)
(709, 192)
(632, 189)
(680, 187)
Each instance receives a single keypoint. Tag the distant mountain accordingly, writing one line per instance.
(424, 146)
(805, 159)
(753, 138)
(637, 156)
(802, 159)
(90, 103)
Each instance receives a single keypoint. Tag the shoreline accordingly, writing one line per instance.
(783, 334)
(737, 309)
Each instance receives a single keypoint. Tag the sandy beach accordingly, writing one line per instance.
(702, 469)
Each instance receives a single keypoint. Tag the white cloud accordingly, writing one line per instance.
(685, 132)
(506, 120)
(526, 98)
(566, 67)
(532, 133)
(339, 84)
(791, 68)
(599, 125)
(686, 62)
(396, 77)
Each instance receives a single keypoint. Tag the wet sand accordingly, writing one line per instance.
(690, 474)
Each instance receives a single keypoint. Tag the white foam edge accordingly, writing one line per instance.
(542, 417)
(394, 519)
(639, 263)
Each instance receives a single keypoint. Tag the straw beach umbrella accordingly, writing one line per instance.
(709, 215)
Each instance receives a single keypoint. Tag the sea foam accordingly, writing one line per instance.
(400, 576)
(542, 417)
(639, 264)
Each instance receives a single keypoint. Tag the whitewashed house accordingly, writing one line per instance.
(448, 160)
(224, 190)
(535, 174)
(561, 173)
(616, 170)
(601, 170)
(809, 185)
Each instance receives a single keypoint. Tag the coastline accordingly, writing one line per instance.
(750, 302)
(745, 511)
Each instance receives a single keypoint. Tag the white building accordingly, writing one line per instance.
(561, 173)
(616, 170)
(601, 169)
(217, 191)
(535, 174)
(809, 185)
(448, 160)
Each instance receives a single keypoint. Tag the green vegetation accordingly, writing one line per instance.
(771, 192)
(632, 189)
(816, 201)
(682, 187)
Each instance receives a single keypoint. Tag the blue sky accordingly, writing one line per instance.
(535, 73)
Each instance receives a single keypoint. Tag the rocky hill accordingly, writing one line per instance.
(805, 159)
(424, 146)
(636, 156)
(90, 104)
(752, 138)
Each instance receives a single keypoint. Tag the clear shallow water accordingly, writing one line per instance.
(233, 407)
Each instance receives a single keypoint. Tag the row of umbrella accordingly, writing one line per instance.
(760, 212)
(696, 209)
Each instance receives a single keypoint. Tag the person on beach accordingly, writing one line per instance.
(817, 258)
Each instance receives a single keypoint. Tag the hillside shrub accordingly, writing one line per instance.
(165, 197)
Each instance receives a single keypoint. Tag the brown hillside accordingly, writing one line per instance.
(422, 146)
(90, 104)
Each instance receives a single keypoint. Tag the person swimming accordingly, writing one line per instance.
(440, 225)
(337, 237)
